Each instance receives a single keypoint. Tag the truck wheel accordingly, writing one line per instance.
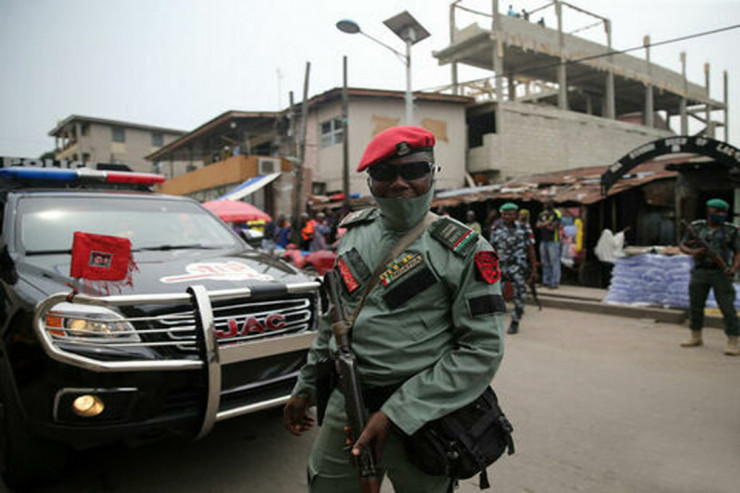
(27, 460)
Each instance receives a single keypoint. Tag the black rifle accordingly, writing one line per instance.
(710, 251)
(533, 288)
(349, 384)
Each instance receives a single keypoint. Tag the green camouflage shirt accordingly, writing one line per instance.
(724, 240)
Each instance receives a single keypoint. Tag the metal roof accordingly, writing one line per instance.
(580, 185)
(114, 123)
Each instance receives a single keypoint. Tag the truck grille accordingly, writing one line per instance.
(240, 321)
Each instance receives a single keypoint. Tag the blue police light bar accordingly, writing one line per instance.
(39, 174)
(81, 174)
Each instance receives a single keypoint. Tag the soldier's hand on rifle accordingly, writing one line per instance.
(375, 434)
(296, 417)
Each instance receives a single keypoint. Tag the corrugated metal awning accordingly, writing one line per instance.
(249, 187)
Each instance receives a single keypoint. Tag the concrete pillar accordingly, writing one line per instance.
(562, 75)
(589, 105)
(609, 101)
(78, 131)
(648, 117)
(710, 124)
(453, 66)
(682, 108)
(455, 86)
(609, 109)
(727, 110)
(512, 87)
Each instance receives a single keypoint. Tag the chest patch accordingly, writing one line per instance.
(413, 284)
(348, 279)
(399, 267)
(357, 264)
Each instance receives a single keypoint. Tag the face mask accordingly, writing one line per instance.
(718, 218)
(400, 214)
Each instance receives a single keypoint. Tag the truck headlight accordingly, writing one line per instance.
(94, 323)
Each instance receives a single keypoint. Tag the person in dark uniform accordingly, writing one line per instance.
(514, 244)
(724, 239)
(430, 334)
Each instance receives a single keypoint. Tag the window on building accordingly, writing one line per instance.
(85, 128)
(331, 132)
(86, 157)
(318, 188)
(478, 126)
(157, 139)
(119, 134)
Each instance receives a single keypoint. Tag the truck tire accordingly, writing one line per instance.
(27, 460)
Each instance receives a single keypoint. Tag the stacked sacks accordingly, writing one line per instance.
(651, 279)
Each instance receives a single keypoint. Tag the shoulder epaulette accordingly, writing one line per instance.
(454, 235)
(358, 217)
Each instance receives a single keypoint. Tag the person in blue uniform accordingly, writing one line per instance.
(515, 247)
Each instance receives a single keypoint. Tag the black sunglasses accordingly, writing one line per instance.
(408, 171)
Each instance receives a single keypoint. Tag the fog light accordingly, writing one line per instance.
(88, 406)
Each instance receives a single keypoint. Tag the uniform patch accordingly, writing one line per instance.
(399, 267)
(350, 283)
(357, 264)
(455, 236)
(410, 287)
(486, 305)
(487, 269)
(365, 215)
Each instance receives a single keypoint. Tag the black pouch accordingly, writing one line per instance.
(325, 382)
(464, 442)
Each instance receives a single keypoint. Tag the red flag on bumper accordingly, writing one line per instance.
(101, 258)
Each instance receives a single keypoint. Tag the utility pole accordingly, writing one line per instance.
(345, 134)
(298, 204)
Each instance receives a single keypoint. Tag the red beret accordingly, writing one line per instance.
(396, 141)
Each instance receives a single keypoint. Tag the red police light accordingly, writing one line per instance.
(126, 177)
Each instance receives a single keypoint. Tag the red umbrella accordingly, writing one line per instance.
(236, 211)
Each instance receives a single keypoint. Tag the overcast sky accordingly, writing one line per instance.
(179, 63)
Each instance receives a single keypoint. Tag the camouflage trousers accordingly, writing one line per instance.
(517, 278)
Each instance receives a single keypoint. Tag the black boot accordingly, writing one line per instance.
(513, 328)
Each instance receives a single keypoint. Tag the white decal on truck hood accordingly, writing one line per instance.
(219, 271)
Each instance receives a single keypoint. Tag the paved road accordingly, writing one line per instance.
(600, 404)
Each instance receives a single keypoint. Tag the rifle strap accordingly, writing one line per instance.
(399, 247)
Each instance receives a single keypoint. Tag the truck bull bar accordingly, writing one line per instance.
(212, 357)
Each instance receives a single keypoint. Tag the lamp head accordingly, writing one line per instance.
(348, 26)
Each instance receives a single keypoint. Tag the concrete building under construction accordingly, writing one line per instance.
(557, 101)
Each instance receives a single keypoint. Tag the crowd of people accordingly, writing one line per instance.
(317, 231)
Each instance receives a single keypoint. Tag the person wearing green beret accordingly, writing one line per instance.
(515, 249)
(724, 241)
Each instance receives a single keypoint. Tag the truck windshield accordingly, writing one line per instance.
(47, 224)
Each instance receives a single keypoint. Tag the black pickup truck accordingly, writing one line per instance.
(207, 328)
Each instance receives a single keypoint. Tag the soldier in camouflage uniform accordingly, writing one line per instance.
(724, 240)
(515, 247)
(429, 337)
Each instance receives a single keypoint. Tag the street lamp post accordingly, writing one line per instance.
(410, 31)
